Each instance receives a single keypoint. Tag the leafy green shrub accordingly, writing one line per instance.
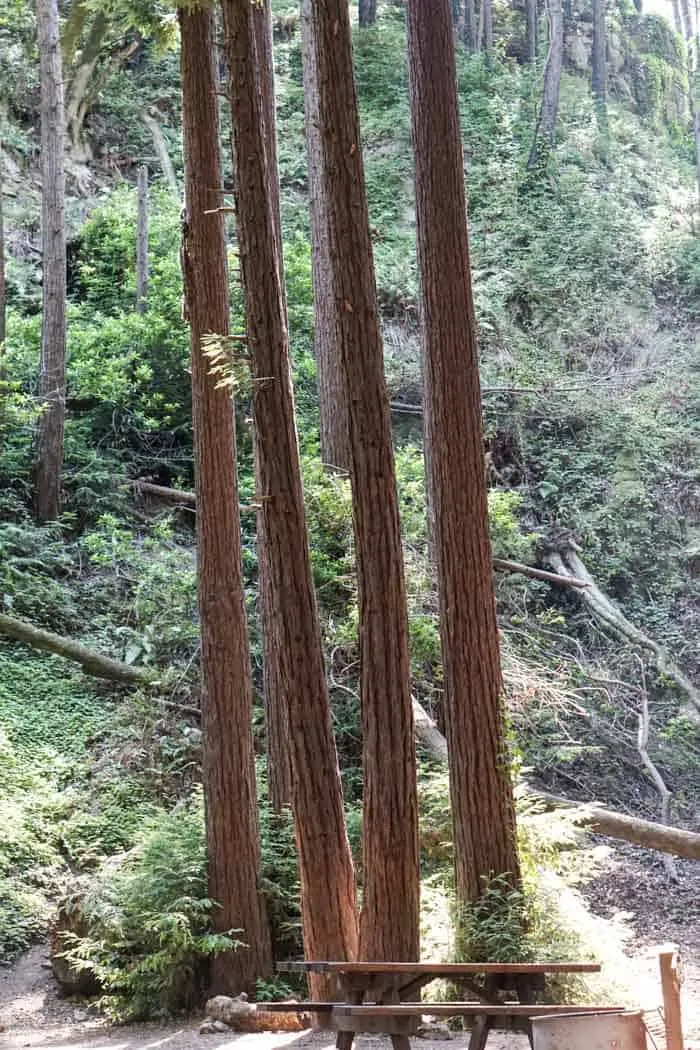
(148, 918)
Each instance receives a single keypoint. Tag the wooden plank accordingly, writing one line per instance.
(671, 988)
(304, 1006)
(435, 969)
(469, 1009)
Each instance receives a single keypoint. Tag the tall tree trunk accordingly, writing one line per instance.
(279, 767)
(367, 12)
(335, 450)
(229, 769)
(676, 9)
(549, 107)
(686, 19)
(599, 66)
(142, 241)
(487, 16)
(456, 12)
(329, 911)
(469, 26)
(3, 293)
(389, 921)
(531, 30)
(52, 378)
(481, 792)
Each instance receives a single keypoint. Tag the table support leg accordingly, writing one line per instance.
(480, 1032)
(344, 1040)
(401, 1042)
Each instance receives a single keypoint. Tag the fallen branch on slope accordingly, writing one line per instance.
(94, 663)
(567, 563)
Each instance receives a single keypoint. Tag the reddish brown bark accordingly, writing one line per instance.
(325, 864)
(229, 770)
(279, 766)
(335, 450)
(52, 378)
(389, 921)
(481, 793)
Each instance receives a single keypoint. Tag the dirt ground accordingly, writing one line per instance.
(630, 909)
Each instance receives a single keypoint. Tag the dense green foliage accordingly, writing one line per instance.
(587, 289)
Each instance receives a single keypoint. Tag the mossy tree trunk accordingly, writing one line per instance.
(481, 793)
(52, 378)
(389, 921)
(229, 769)
(329, 912)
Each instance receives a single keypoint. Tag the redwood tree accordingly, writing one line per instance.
(481, 794)
(229, 771)
(52, 379)
(389, 922)
(325, 865)
(327, 309)
(279, 766)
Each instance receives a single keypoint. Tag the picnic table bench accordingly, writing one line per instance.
(378, 996)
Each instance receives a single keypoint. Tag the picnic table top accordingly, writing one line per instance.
(435, 969)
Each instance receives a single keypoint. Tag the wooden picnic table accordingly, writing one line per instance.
(378, 995)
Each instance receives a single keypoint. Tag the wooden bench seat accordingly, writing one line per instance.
(470, 1009)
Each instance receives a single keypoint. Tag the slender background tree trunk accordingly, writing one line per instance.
(531, 29)
(481, 793)
(142, 242)
(547, 120)
(599, 65)
(469, 26)
(335, 450)
(229, 770)
(52, 378)
(367, 12)
(329, 911)
(3, 293)
(389, 921)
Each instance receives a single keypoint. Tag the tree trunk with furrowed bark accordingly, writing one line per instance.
(329, 912)
(389, 921)
(229, 767)
(481, 792)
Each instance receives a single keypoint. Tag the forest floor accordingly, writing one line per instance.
(631, 901)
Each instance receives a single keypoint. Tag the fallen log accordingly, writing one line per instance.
(94, 663)
(147, 488)
(503, 565)
(640, 832)
(646, 833)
